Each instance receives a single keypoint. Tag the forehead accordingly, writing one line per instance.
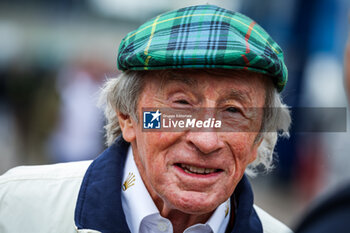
(222, 80)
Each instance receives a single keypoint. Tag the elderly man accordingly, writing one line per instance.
(159, 180)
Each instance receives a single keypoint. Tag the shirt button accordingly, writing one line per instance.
(162, 226)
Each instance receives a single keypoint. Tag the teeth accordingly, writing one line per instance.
(198, 170)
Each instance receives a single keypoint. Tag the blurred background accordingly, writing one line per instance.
(55, 55)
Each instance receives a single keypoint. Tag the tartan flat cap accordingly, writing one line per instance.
(203, 36)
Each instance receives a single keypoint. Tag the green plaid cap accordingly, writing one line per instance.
(203, 36)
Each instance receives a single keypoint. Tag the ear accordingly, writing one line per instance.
(127, 127)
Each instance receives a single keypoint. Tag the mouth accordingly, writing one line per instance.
(194, 170)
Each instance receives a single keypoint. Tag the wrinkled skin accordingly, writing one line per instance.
(186, 198)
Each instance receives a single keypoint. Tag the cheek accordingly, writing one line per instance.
(157, 140)
(154, 148)
(243, 150)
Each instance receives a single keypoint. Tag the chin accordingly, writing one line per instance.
(195, 203)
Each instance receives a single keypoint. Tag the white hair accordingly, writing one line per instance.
(121, 94)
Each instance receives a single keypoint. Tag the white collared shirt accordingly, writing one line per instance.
(143, 216)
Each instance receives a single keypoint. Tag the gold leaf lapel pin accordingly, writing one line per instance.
(129, 181)
(227, 208)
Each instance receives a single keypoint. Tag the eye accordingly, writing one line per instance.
(182, 102)
(232, 110)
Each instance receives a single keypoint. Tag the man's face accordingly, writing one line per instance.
(194, 172)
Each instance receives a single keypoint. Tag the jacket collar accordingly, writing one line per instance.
(99, 205)
(246, 219)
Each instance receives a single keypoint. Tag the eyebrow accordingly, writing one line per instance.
(237, 95)
(180, 78)
(193, 83)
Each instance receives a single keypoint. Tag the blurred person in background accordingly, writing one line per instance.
(347, 66)
(312, 162)
(29, 110)
(331, 213)
(199, 56)
(78, 134)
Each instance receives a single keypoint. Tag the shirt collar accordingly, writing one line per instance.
(136, 209)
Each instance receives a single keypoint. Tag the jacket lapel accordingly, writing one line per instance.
(246, 219)
(99, 204)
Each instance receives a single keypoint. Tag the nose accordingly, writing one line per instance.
(205, 142)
